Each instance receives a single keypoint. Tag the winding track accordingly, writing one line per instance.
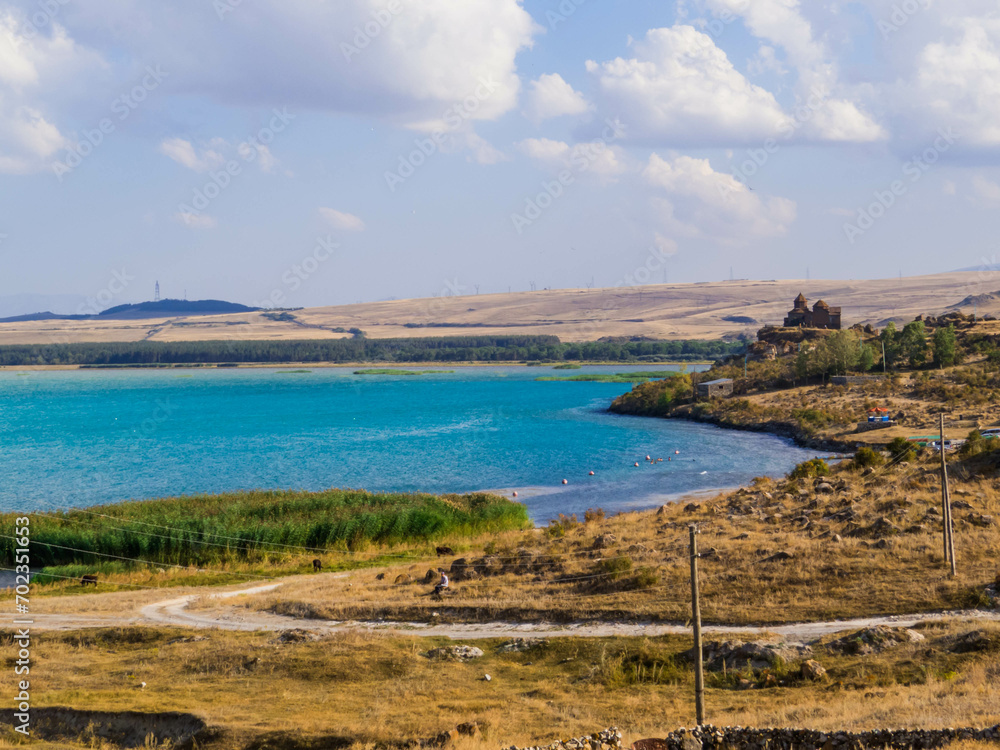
(175, 612)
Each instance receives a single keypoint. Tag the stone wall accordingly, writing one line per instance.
(709, 737)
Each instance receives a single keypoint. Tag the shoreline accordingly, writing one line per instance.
(330, 365)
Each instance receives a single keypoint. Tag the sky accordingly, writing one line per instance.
(286, 153)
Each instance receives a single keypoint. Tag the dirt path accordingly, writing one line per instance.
(175, 612)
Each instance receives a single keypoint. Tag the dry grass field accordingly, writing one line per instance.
(870, 546)
(664, 311)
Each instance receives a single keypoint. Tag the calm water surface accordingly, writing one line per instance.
(85, 437)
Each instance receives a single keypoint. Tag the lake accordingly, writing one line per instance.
(80, 438)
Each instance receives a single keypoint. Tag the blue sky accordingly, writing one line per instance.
(767, 138)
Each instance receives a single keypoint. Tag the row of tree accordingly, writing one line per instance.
(446, 349)
(848, 351)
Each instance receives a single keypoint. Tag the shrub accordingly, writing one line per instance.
(814, 467)
(615, 567)
(646, 578)
(867, 457)
(901, 449)
(593, 514)
(559, 526)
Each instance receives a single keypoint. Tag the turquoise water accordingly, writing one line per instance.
(79, 438)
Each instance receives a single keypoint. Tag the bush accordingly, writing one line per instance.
(593, 514)
(814, 467)
(901, 449)
(615, 567)
(646, 578)
(867, 457)
(558, 527)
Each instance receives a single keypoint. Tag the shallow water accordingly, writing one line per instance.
(76, 438)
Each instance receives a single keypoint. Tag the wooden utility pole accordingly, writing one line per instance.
(949, 530)
(699, 674)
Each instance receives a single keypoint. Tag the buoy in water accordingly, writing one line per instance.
(565, 481)
(648, 458)
(515, 494)
(591, 474)
(677, 453)
(636, 463)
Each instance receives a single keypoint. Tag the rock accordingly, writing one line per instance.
(779, 557)
(651, 744)
(460, 570)
(444, 551)
(737, 654)
(604, 541)
(663, 510)
(916, 529)
(455, 653)
(812, 670)
(403, 578)
(430, 576)
(882, 544)
(825, 488)
(961, 505)
(836, 538)
(975, 641)
(691, 508)
(741, 537)
(874, 640)
(980, 519)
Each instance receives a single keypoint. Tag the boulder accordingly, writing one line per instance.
(975, 641)
(874, 640)
(455, 653)
(779, 557)
(738, 654)
(520, 645)
(403, 578)
(604, 541)
(812, 670)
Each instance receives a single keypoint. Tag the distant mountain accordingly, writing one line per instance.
(61, 304)
(168, 307)
(162, 309)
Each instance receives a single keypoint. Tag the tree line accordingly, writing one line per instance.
(444, 349)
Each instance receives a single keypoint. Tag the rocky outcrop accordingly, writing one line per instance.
(874, 640)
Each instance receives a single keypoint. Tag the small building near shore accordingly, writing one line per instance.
(716, 388)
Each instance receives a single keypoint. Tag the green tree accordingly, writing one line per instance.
(945, 349)
(913, 343)
(890, 340)
(843, 352)
(867, 359)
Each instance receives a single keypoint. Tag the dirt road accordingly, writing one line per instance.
(175, 612)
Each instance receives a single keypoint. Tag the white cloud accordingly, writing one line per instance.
(342, 220)
(957, 83)
(682, 89)
(195, 221)
(422, 60)
(838, 117)
(701, 203)
(597, 158)
(765, 61)
(184, 153)
(550, 96)
(31, 70)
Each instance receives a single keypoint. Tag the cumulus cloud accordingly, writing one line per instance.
(597, 157)
(402, 61)
(550, 96)
(698, 202)
(957, 82)
(838, 117)
(680, 88)
(341, 220)
(29, 139)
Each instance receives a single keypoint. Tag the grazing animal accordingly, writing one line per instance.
(444, 551)
(317, 565)
(90, 579)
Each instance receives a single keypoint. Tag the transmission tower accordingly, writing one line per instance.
(156, 292)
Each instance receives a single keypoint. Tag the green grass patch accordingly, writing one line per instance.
(391, 371)
(618, 377)
(293, 372)
(256, 527)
